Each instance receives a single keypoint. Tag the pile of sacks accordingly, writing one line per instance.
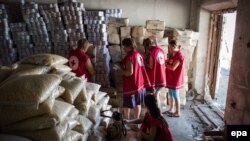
(43, 101)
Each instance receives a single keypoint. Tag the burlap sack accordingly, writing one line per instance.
(28, 90)
(32, 124)
(72, 86)
(61, 110)
(85, 124)
(14, 114)
(44, 59)
(72, 136)
(52, 134)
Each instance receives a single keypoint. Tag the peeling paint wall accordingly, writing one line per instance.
(238, 96)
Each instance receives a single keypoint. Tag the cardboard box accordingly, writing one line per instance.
(119, 21)
(115, 53)
(114, 39)
(154, 33)
(162, 41)
(155, 24)
(138, 31)
(125, 31)
(112, 29)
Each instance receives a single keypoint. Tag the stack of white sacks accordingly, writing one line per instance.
(7, 52)
(188, 40)
(72, 14)
(53, 20)
(42, 100)
(21, 39)
(36, 27)
(97, 34)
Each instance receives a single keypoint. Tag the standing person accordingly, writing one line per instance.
(153, 126)
(155, 66)
(134, 78)
(175, 77)
(80, 62)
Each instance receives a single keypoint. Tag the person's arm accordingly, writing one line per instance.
(151, 135)
(90, 67)
(134, 121)
(174, 66)
(129, 69)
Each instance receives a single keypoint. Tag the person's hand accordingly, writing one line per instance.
(125, 121)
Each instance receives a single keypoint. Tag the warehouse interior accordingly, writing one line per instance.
(213, 35)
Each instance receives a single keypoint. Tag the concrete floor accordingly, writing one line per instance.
(182, 127)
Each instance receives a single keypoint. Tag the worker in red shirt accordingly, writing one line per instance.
(80, 62)
(156, 68)
(134, 78)
(153, 126)
(175, 77)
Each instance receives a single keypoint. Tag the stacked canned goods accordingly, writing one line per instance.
(97, 34)
(22, 39)
(8, 54)
(36, 27)
(53, 20)
(72, 14)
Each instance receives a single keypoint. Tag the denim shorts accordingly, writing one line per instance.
(134, 100)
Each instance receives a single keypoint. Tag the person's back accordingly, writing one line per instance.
(79, 61)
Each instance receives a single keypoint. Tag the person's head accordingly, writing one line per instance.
(152, 107)
(173, 46)
(149, 42)
(83, 44)
(128, 44)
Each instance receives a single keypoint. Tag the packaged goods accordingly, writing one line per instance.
(44, 59)
(61, 110)
(28, 90)
(125, 31)
(138, 31)
(85, 124)
(154, 33)
(155, 24)
(114, 39)
(72, 136)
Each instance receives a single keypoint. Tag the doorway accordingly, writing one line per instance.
(224, 60)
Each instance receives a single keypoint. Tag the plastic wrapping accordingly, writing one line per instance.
(100, 95)
(29, 90)
(60, 69)
(94, 114)
(44, 59)
(73, 113)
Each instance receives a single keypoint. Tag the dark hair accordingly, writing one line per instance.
(83, 43)
(147, 42)
(129, 42)
(151, 104)
(174, 43)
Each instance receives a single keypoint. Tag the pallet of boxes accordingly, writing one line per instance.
(116, 33)
(155, 29)
(44, 101)
(187, 39)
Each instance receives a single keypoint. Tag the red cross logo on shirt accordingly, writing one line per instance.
(73, 62)
(160, 58)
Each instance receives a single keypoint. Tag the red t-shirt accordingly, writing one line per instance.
(163, 132)
(175, 78)
(157, 75)
(139, 79)
(77, 62)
